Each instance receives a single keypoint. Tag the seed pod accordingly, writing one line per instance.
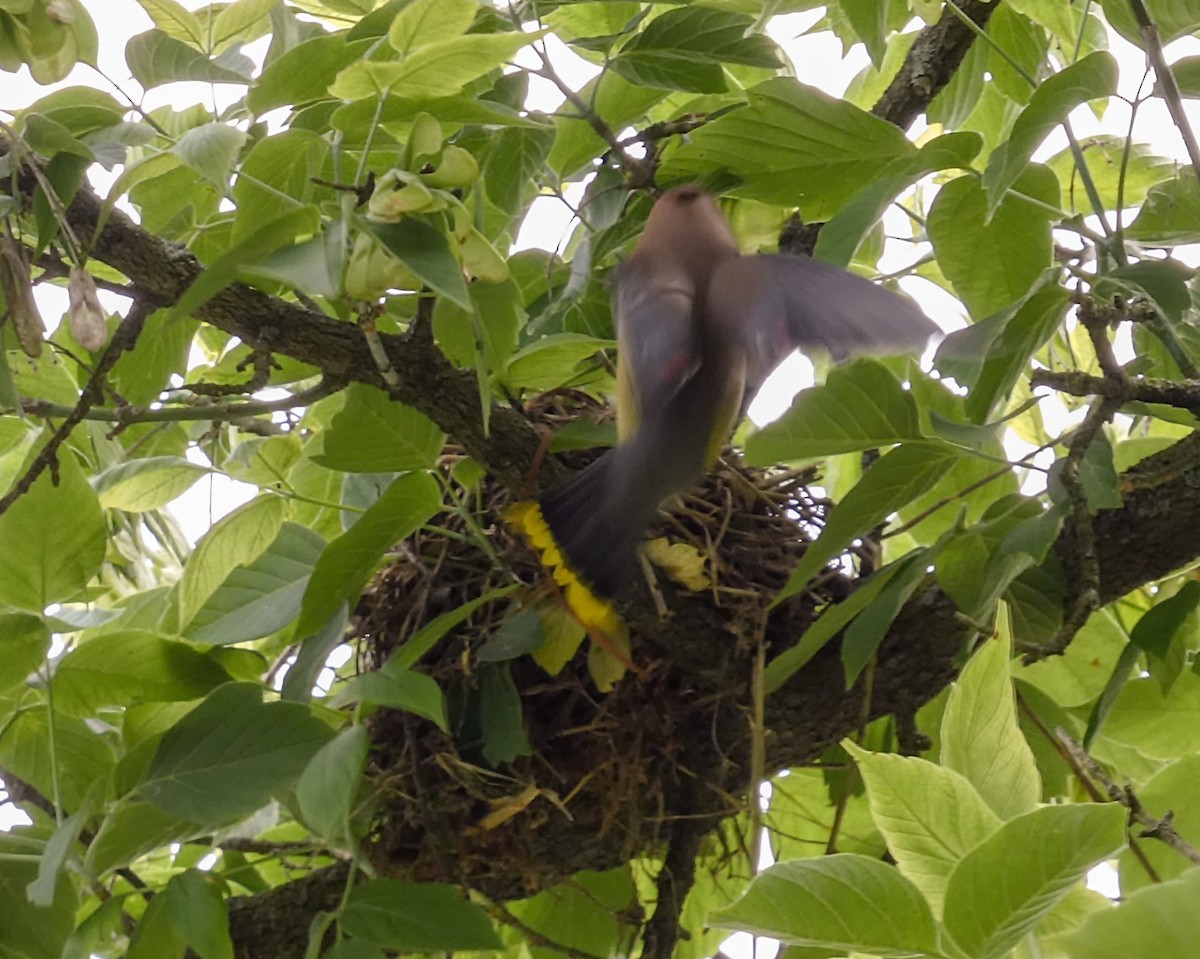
(456, 168)
(87, 318)
(18, 294)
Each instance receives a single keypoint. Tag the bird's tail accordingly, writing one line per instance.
(587, 533)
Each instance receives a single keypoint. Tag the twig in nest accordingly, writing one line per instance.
(1160, 829)
(660, 602)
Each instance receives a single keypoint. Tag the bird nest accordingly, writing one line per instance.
(600, 777)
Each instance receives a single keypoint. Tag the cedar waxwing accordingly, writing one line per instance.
(699, 328)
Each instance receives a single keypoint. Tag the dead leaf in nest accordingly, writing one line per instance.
(607, 665)
(683, 563)
(506, 807)
(563, 632)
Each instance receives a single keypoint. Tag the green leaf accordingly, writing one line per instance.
(891, 482)
(196, 912)
(301, 677)
(551, 361)
(268, 238)
(29, 931)
(53, 538)
(1024, 50)
(615, 99)
(991, 356)
(1171, 214)
(841, 902)
(1159, 725)
(426, 251)
(236, 539)
(1169, 792)
(303, 73)
(930, 816)
(514, 163)
(1156, 629)
(372, 433)
(840, 237)
(329, 783)
(263, 596)
(583, 914)
(1171, 18)
(1159, 922)
(1011, 880)
(1091, 78)
(865, 634)
(24, 642)
(705, 33)
(134, 666)
(501, 716)
(141, 485)
(860, 406)
(832, 621)
(227, 756)
(395, 687)
(427, 637)
(346, 563)
(42, 890)
(143, 372)
(869, 18)
(438, 69)
(980, 736)
(993, 262)
(175, 19)
(517, 635)
(238, 17)
(1115, 175)
(423, 22)
(155, 58)
(210, 150)
(312, 266)
(132, 829)
(793, 144)
(283, 163)
(417, 917)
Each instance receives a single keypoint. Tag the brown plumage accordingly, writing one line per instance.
(699, 328)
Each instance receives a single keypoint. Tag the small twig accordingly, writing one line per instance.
(640, 172)
(1161, 829)
(260, 358)
(124, 339)
(1166, 80)
(656, 593)
(227, 412)
(758, 741)
(1184, 395)
(1081, 777)
(1087, 585)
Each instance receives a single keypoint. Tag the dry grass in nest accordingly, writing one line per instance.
(603, 778)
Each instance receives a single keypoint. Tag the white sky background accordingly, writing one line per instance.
(818, 61)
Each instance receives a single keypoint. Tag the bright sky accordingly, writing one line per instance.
(818, 61)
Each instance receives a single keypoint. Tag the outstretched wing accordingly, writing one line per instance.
(773, 304)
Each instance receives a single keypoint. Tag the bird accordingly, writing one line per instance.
(700, 326)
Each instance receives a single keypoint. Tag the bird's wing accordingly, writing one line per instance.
(657, 338)
(778, 303)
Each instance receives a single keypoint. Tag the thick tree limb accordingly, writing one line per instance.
(931, 62)
(161, 271)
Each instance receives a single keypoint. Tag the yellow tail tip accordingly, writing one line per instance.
(594, 612)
